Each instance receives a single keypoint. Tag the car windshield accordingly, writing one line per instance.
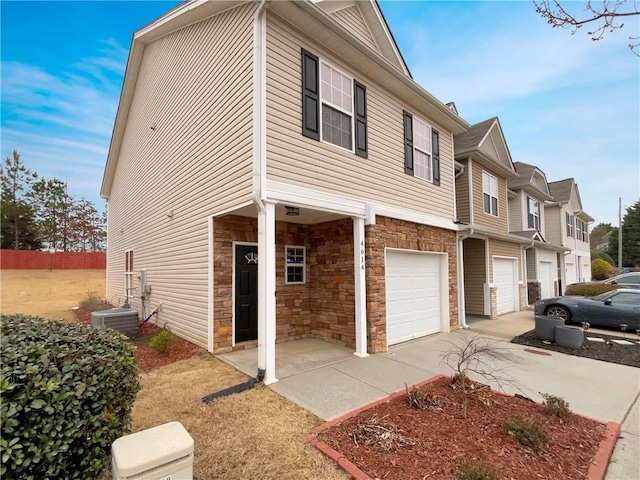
(602, 296)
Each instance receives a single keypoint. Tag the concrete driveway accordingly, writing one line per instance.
(329, 381)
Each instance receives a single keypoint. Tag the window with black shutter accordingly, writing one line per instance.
(421, 149)
(310, 96)
(334, 106)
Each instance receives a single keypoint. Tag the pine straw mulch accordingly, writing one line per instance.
(395, 440)
(148, 358)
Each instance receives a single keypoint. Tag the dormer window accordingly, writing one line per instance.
(490, 194)
(533, 214)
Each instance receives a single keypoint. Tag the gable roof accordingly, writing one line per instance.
(389, 70)
(561, 190)
(377, 24)
(485, 143)
(526, 180)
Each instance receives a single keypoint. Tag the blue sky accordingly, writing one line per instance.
(566, 104)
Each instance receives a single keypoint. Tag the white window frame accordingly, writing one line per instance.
(423, 170)
(570, 230)
(534, 210)
(287, 264)
(128, 273)
(490, 179)
(330, 104)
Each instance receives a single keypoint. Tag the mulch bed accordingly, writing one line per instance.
(148, 358)
(439, 439)
(606, 352)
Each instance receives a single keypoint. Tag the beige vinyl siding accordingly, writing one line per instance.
(474, 275)
(516, 214)
(500, 248)
(553, 225)
(351, 19)
(380, 178)
(532, 268)
(462, 195)
(195, 89)
(480, 218)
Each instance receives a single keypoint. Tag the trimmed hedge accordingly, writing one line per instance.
(599, 268)
(67, 393)
(590, 289)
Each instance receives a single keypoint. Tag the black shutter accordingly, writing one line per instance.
(310, 96)
(408, 143)
(360, 107)
(435, 145)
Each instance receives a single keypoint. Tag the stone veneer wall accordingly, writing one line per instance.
(322, 307)
(331, 279)
(393, 233)
(227, 230)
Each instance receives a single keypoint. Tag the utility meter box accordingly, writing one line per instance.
(164, 452)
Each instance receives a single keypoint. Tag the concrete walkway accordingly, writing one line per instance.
(329, 380)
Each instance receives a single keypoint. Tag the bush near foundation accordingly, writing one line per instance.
(590, 290)
(67, 392)
(599, 268)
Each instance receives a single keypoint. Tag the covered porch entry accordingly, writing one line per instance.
(284, 272)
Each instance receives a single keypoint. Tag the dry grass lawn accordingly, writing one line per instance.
(255, 434)
(48, 294)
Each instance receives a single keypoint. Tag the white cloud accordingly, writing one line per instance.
(61, 122)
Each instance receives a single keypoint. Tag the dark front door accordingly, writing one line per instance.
(246, 300)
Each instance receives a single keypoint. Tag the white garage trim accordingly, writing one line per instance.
(505, 279)
(411, 278)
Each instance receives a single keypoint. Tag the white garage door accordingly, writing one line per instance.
(570, 275)
(413, 295)
(504, 280)
(546, 286)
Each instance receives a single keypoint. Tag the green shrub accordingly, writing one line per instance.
(94, 303)
(556, 406)
(163, 341)
(589, 290)
(527, 433)
(599, 268)
(67, 391)
(604, 256)
(476, 471)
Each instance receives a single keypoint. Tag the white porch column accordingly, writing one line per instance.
(360, 287)
(267, 292)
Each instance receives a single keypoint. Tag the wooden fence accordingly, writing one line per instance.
(44, 260)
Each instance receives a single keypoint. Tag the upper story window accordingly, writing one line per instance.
(341, 100)
(579, 229)
(533, 213)
(570, 224)
(421, 149)
(490, 193)
(295, 265)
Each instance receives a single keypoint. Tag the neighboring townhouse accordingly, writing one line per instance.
(491, 258)
(568, 225)
(275, 173)
(529, 194)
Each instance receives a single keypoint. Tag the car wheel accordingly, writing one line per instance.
(558, 311)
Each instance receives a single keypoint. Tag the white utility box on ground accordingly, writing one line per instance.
(164, 452)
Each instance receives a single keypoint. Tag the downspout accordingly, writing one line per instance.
(461, 310)
(259, 189)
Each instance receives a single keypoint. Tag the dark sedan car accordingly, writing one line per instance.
(610, 309)
(625, 280)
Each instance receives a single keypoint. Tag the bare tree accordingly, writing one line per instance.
(480, 356)
(605, 17)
